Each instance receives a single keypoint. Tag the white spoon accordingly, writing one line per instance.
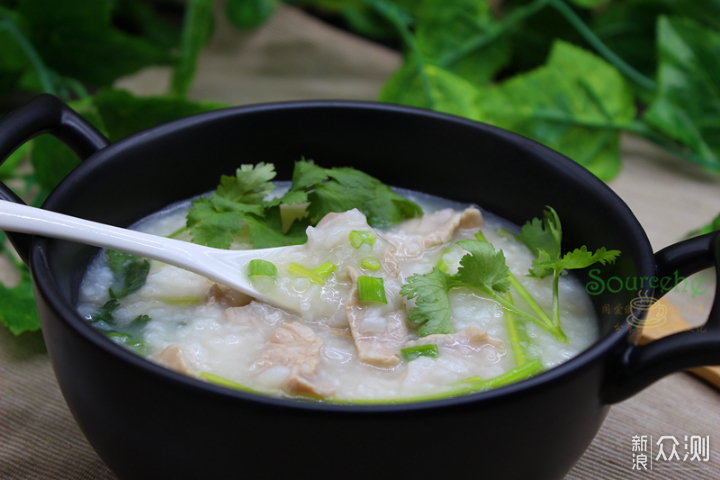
(227, 267)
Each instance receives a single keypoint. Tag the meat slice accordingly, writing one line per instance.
(226, 297)
(378, 331)
(431, 230)
(297, 347)
(472, 336)
(173, 358)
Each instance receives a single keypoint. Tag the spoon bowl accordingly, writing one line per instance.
(227, 267)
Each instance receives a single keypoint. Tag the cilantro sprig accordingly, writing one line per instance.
(543, 237)
(482, 269)
(239, 206)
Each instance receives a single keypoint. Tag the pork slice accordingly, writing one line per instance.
(378, 334)
(297, 347)
(432, 230)
(227, 297)
(173, 358)
(472, 336)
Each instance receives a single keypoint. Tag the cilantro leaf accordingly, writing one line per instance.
(543, 238)
(432, 308)
(129, 273)
(239, 203)
(581, 258)
(483, 268)
(251, 184)
(105, 313)
(343, 188)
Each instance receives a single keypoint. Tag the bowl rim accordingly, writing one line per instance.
(45, 282)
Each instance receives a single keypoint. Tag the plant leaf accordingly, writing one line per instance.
(687, 105)
(483, 267)
(51, 158)
(248, 14)
(445, 91)
(543, 235)
(432, 308)
(443, 27)
(196, 32)
(574, 104)
(17, 306)
(76, 38)
(124, 114)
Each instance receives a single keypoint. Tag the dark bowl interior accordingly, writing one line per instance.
(424, 151)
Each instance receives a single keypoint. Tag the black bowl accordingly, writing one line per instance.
(147, 422)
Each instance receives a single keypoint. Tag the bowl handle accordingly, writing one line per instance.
(639, 366)
(44, 114)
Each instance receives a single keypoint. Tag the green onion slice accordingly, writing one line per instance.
(300, 271)
(325, 269)
(358, 237)
(261, 267)
(411, 353)
(370, 263)
(371, 289)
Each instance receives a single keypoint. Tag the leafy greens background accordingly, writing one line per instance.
(573, 74)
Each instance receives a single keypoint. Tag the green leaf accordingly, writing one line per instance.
(578, 258)
(444, 27)
(266, 232)
(589, 3)
(432, 307)
(429, 86)
(197, 30)
(129, 273)
(576, 104)
(251, 184)
(248, 14)
(342, 189)
(76, 38)
(7, 169)
(51, 158)
(543, 235)
(483, 268)
(124, 114)
(17, 306)
(687, 105)
(105, 312)
(366, 21)
(144, 18)
(710, 227)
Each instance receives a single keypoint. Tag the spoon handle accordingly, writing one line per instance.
(222, 266)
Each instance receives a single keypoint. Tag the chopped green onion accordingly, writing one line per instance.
(411, 353)
(370, 263)
(505, 233)
(358, 237)
(181, 301)
(371, 289)
(261, 267)
(140, 321)
(224, 382)
(524, 371)
(325, 269)
(300, 271)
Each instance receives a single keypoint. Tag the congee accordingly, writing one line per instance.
(396, 295)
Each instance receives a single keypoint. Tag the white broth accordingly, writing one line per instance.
(339, 347)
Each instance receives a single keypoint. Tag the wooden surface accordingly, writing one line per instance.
(296, 57)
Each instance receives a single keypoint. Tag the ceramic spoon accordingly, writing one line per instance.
(227, 267)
